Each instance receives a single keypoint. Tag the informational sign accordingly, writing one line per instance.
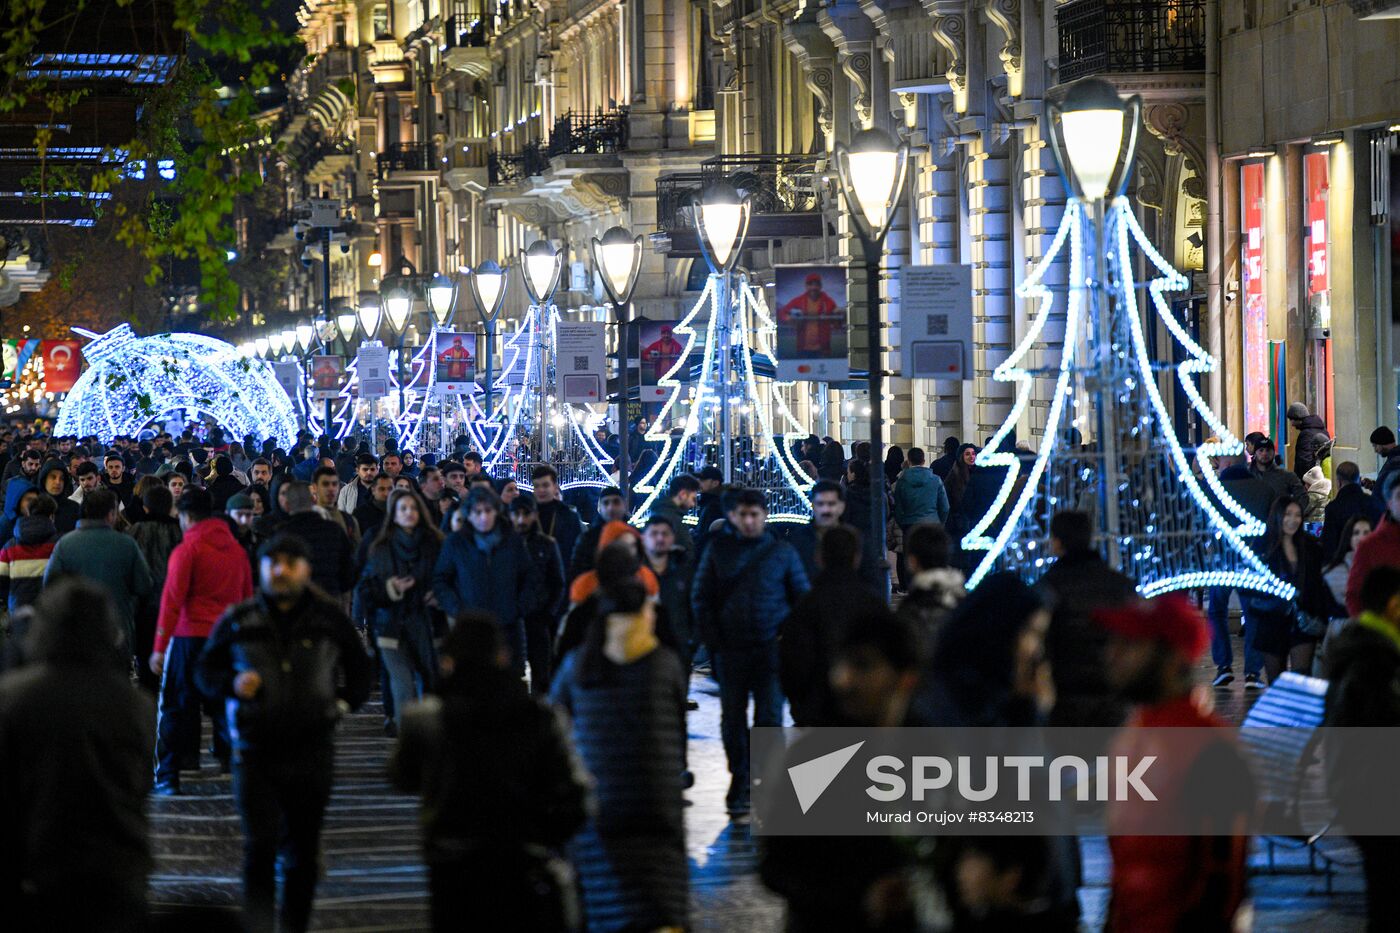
(63, 361)
(372, 371)
(658, 353)
(580, 351)
(813, 343)
(935, 311)
(1255, 313)
(327, 377)
(455, 362)
(288, 374)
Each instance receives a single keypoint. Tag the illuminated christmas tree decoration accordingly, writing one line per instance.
(1178, 528)
(133, 381)
(764, 458)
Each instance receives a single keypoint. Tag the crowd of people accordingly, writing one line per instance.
(534, 653)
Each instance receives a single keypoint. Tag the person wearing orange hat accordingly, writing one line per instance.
(586, 584)
(1172, 882)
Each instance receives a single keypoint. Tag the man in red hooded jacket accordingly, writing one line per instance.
(207, 573)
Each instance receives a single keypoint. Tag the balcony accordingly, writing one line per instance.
(404, 157)
(598, 132)
(511, 168)
(328, 160)
(1130, 37)
(464, 46)
(787, 193)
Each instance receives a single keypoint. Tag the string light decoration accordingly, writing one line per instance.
(763, 459)
(1172, 534)
(132, 381)
(536, 421)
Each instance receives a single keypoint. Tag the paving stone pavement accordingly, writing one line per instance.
(374, 879)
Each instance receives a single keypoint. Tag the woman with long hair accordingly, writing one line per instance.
(1289, 630)
(626, 694)
(395, 593)
(894, 464)
(1339, 565)
(959, 474)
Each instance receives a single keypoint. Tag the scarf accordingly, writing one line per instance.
(407, 548)
(1380, 626)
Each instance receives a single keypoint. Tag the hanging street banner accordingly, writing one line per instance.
(327, 377)
(659, 352)
(580, 350)
(935, 313)
(16, 357)
(288, 376)
(372, 371)
(63, 363)
(455, 363)
(813, 341)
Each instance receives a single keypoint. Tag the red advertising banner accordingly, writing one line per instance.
(63, 362)
(1315, 177)
(1255, 316)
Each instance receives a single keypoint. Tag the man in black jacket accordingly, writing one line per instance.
(611, 508)
(1350, 500)
(1081, 583)
(75, 750)
(708, 504)
(1313, 441)
(332, 554)
(275, 661)
(828, 509)
(1282, 483)
(745, 585)
(558, 519)
(1383, 443)
(540, 623)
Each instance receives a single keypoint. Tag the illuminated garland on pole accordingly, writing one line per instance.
(766, 461)
(464, 409)
(1171, 534)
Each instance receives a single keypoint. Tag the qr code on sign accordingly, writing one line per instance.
(580, 362)
(937, 325)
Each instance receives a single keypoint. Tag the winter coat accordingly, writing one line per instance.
(544, 552)
(1081, 584)
(503, 581)
(1380, 548)
(104, 555)
(224, 488)
(708, 505)
(674, 596)
(810, 637)
(332, 554)
(933, 594)
(874, 575)
(24, 559)
(1283, 484)
(303, 655)
(1363, 690)
(495, 769)
(157, 538)
(396, 616)
(66, 518)
(351, 495)
(560, 521)
(124, 489)
(667, 509)
(14, 491)
(630, 733)
(207, 573)
(919, 496)
(744, 588)
(1350, 500)
(1391, 465)
(369, 516)
(75, 762)
(1311, 446)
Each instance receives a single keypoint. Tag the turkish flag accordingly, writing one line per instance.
(63, 361)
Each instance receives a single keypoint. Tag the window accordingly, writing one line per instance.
(379, 21)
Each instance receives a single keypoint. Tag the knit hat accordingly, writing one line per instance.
(1170, 620)
(238, 501)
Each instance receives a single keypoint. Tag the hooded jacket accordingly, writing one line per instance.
(502, 579)
(586, 584)
(206, 575)
(24, 559)
(1311, 446)
(66, 519)
(14, 491)
(919, 496)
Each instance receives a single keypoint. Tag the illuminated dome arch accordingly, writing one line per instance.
(133, 380)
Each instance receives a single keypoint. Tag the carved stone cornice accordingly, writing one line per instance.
(1006, 16)
(853, 35)
(817, 56)
(949, 27)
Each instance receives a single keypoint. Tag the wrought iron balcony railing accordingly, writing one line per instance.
(464, 32)
(600, 131)
(776, 184)
(404, 157)
(508, 168)
(1126, 36)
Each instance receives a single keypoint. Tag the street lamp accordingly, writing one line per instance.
(488, 291)
(543, 265)
(1086, 130)
(345, 326)
(398, 304)
(618, 256)
(442, 298)
(289, 340)
(305, 334)
(274, 340)
(368, 313)
(262, 345)
(722, 222)
(872, 173)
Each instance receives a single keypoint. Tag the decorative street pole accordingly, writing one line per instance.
(369, 314)
(488, 291)
(872, 173)
(722, 221)
(618, 256)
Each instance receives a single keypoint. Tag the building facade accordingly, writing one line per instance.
(456, 131)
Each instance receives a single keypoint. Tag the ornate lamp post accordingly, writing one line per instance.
(618, 256)
(722, 222)
(488, 291)
(872, 173)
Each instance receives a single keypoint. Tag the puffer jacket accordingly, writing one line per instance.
(503, 581)
(919, 496)
(24, 559)
(744, 589)
(1311, 446)
(207, 573)
(301, 655)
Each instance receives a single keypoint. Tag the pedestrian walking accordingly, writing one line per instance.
(484, 566)
(24, 557)
(625, 695)
(75, 746)
(558, 519)
(501, 786)
(540, 624)
(395, 593)
(285, 664)
(1289, 629)
(611, 508)
(1351, 499)
(54, 481)
(935, 587)
(224, 484)
(1313, 445)
(919, 496)
(828, 511)
(332, 552)
(745, 585)
(207, 574)
(674, 572)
